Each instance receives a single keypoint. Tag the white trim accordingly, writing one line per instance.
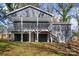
(36, 30)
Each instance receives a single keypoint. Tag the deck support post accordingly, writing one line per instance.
(37, 29)
(51, 30)
(48, 38)
(37, 36)
(21, 29)
(29, 36)
(21, 37)
(13, 37)
(51, 38)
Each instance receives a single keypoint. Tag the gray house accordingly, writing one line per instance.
(35, 25)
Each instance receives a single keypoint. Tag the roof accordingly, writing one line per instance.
(29, 6)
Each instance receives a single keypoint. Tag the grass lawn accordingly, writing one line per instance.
(27, 49)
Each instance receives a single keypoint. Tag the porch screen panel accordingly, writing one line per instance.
(17, 26)
(64, 28)
(29, 26)
(34, 26)
(43, 25)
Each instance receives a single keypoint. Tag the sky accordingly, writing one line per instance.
(45, 7)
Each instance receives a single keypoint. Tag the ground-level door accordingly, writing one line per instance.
(25, 37)
(17, 37)
(43, 37)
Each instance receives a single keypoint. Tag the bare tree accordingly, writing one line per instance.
(63, 10)
(13, 6)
